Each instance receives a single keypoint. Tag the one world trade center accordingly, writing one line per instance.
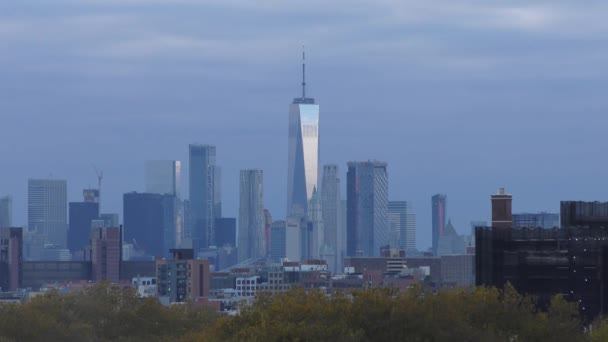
(303, 151)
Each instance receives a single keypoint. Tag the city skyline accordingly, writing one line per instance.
(459, 93)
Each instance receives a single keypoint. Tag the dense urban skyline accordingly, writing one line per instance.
(454, 106)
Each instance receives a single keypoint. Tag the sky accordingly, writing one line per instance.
(457, 96)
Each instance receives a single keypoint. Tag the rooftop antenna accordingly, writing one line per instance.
(303, 72)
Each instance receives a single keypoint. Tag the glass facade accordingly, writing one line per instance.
(47, 208)
(203, 199)
(252, 234)
(367, 208)
(439, 204)
(163, 177)
(330, 207)
(536, 220)
(402, 222)
(303, 154)
(6, 212)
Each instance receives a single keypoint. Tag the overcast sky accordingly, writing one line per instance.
(459, 97)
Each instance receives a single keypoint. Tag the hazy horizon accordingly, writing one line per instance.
(457, 97)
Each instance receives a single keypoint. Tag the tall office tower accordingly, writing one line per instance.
(330, 209)
(187, 228)
(252, 236)
(202, 195)
(267, 224)
(439, 203)
(163, 177)
(293, 237)
(217, 192)
(11, 258)
(278, 240)
(225, 231)
(6, 211)
(367, 208)
(303, 151)
(403, 224)
(342, 234)
(536, 220)
(106, 253)
(151, 222)
(81, 215)
(47, 209)
(502, 216)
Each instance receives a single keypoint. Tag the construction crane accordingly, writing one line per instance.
(99, 178)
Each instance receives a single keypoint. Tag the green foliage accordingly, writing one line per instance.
(109, 313)
(99, 313)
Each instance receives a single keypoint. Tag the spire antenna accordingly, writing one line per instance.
(303, 72)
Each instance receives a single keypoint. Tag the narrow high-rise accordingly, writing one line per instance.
(203, 200)
(367, 208)
(6, 212)
(47, 206)
(403, 223)
(330, 210)
(252, 230)
(303, 151)
(439, 204)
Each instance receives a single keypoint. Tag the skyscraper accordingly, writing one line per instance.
(330, 209)
(439, 212)
(367, 208)
(151, 222)
(203, 201)
(81, 215)
(267, 224)
(303, 151)
(315, 221)
(47, 209)
(403, 223)
(252, 235)
(6, 212)
(163, 177)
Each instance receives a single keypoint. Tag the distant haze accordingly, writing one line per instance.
(459, 97)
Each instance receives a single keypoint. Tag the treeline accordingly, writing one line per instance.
(109, 313)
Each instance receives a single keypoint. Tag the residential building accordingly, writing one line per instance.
(303, 151)
(163, 177)
(203, 198)
(439, 204)
(105, 253)
(252, 236)
(367, 212)
(11, 258)
(47, 209)
(182, 277)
